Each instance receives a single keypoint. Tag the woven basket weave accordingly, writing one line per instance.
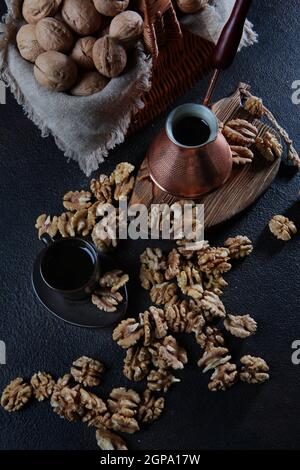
(180, 58)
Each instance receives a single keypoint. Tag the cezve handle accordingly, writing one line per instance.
(231, 35)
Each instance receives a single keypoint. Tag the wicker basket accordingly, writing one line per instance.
(180, 58)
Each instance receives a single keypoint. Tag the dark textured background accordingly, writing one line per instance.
(33, 177)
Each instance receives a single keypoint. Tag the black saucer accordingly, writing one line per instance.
(81, 312)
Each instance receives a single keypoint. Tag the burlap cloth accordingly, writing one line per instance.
(86, 128)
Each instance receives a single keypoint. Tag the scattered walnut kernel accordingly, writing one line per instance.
(151, 407)
(254, 106)
(42, 385)
(76, 200)
(240, 132)
(149, 277)
(269, 146)
(99, 421)
(223, 377)
(161, 380)
(122, 179)
(103, 241)
(255, 370)
(114, 280)
(176, 316)
(212, 306)
(216, 283)
(16, 395)
(241, 155)
(173, 263)
(168, 354)
(214, 261)
(82, 222)
(282, 227)
(164, 293)
(153, 258)
(65, 399)
(190, 282)
(102, 189)
(239, 246)
(87, 371)
(106, 300)
(92, 404)
(123, 405)
(136, 363)
(128, 332)
(65, 225)
(107, 440)
(214, 357)
(209, 337)
(154, 324)
(45, 224)
(240, 326)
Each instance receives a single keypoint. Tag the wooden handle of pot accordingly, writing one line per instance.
(231, 35)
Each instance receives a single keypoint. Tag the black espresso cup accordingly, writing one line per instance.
(69, 266)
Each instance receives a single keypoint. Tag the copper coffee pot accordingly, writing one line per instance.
(190, 169)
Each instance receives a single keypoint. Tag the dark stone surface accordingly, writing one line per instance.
(34, 176)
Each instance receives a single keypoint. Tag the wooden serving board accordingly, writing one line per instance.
(245, 185)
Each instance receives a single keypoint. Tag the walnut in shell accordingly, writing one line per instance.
(87, 371)
(16, 395)
(44, 224)
(82, 53)
(81, 16)
(106, 300)
(240, 132)
(241, 326)
(27, 43)
(136, 363)
(109, 57)
(42, 385)
(239, 246)
(282, 228)
(111, 7)
(223, 377)
(128, 333)
(89, 83)
(126, 28)
(255, 370)
(191, 6)
(123, 404)
(55, 71)
(107, 440)
(214, 357)
(161, 380)
(34, 10)
(151, 407)
(54, 35)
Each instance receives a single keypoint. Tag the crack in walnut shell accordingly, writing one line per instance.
(214, 357)
(128, 333)
(44, 224)
(42, 385)
(16, 395)
(241, 326)
(223, 377)
(136, 363)
(161, 380)
(254, 370)
(87, 371)
(76, 200)
(154, 324)
(282, 227)
(151, 407)
(106, 300)
(123, 405)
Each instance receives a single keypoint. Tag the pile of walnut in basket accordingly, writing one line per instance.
(186, 286)
(78, 45)
(123, 411)
(86, 209)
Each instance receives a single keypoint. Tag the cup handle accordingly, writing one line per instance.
(47, 239)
